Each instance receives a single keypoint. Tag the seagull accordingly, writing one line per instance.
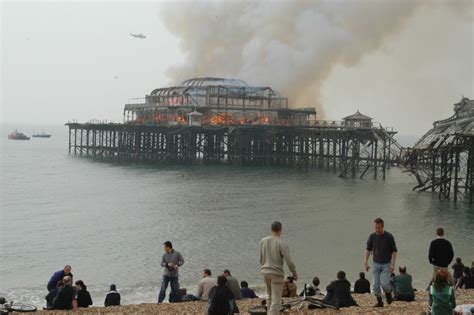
(141, 36)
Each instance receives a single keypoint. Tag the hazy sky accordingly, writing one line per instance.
(64, 61)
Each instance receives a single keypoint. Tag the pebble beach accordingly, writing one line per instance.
(365, 301)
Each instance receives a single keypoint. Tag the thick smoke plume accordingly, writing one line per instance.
(289, 45)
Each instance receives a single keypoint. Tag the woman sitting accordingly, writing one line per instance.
(83, 296)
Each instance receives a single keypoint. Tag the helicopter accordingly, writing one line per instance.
(141, 36)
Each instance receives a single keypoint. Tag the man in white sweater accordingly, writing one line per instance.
(205, 285)
(273, 252)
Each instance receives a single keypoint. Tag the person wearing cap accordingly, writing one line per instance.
(113, 297)
(171, 261)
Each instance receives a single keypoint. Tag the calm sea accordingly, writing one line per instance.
(109, 221)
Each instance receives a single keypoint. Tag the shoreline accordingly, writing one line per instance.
(365, 302)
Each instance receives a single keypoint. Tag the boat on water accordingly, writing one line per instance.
(18, 136)
(41, 135)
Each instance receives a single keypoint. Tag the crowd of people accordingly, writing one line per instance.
(382, 247)
(62, 295)
(222, 292)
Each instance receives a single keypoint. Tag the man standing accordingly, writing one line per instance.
(59, 275)
(205, 285)
(384, 251)
(441, 252)
(171, 261)
(273, 252)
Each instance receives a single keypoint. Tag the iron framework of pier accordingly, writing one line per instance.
(351, 152)
(443, 159)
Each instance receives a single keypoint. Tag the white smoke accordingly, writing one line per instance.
(291, 46)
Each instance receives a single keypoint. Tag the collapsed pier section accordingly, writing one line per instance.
(443, 159)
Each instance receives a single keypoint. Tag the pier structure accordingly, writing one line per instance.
(350, 152)
(443, 158)
(226, 121)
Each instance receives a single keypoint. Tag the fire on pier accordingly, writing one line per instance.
(215, 101)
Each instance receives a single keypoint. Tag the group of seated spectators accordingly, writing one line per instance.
(221, 293)
(62, 295)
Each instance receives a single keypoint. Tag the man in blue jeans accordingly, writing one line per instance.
(171, 261)
(384, 251)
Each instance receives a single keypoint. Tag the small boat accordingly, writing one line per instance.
(40, 135)
(18, 136)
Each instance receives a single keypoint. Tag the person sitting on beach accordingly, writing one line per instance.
(466, 281)
(458, 267)
(205, 285)
(59, 275)
(83, 296)
(113, 297)
(66, 299)
(441, 294)
(182, 296)
(362, 285)
(52, 294)
(402, 286)
(233, 284)
(339, 292)
(312, 290)
(221, 298)
(246, 292)
(289, 288)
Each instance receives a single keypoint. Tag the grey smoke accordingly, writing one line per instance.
(291, 46)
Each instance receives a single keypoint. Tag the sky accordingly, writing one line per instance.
(62, 61)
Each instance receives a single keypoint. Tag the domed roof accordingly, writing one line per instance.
(357, 116)
(213, 81)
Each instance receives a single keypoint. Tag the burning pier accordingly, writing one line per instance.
(443, 159)
(225, 121)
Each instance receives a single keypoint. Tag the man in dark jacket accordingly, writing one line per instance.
(466, 281)
(362, 285)
(59, 275)
(441, 252)
(52, 294)
(221, 298)
(113, 297)
(339, 292)
(66, 299)
(458, 267)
